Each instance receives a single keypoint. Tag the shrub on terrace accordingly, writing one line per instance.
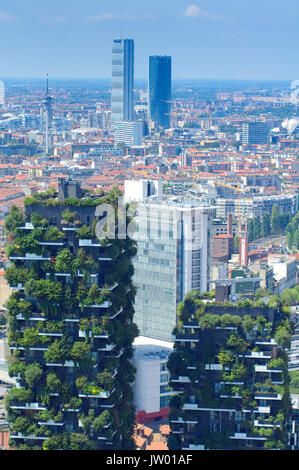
(32, 374)
(59, 351)
(52, 234)
(18, 395)
(53, 382)
(14, 220)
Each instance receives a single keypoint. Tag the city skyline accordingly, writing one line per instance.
(204, 38)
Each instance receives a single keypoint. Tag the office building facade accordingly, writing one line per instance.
(255, 133)
(122, 108)
(173, 258)
(128, 133)
(160, 90)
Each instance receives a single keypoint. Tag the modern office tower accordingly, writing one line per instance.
(47, 103)
(173, 258)
(255, 133)
(122, 108)
(71, 328)
(160, 90)
(128, 133)
(229, 369)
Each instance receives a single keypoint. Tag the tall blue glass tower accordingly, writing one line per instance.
(122, 108)
(160, 90)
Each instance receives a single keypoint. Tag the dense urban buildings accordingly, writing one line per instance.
(177, 335)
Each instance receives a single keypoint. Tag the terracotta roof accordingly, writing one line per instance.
(165, 429)
(157, 446)
(139, 441)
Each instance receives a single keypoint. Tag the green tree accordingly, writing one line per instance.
(14, 220)
(275, 219)
(289, 240)
(32, 374)
(296, 239)
(250, 230)
(266, 226)
(257, 228)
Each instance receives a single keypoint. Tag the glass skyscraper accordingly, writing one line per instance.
(160, 90)
(122, 108)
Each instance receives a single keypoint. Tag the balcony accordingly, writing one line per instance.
(195, 406)
(243, 436)
(20, 286)
(60, 364)
(27, 226)
(37, 317)
(187, 339)
(185, 421)
(105, 304)
(103, 394)
(194, 447)
(49, 334)
(31, 257)
(52, 243)
(265, 342)
(263, 410)
(28, 406)
(181, 379)
(50, 423)
(31, 348)
(267, 396)
(264, 424)
(108, 347)
(257, 355)
(22, 436)
(91, 242)
(116, 314)
(265, 369)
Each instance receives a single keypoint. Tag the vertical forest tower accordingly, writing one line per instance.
(71, 325)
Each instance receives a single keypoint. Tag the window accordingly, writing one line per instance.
(163, 366)
(164, 402)
(164, 378)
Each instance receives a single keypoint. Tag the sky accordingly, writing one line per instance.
(207, 39)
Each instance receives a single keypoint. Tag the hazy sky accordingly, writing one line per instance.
(206, 38)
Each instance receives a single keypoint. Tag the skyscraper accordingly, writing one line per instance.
(173, 258)
(160, 90)
(122, 80)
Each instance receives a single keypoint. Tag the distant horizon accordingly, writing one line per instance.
(232, 79)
